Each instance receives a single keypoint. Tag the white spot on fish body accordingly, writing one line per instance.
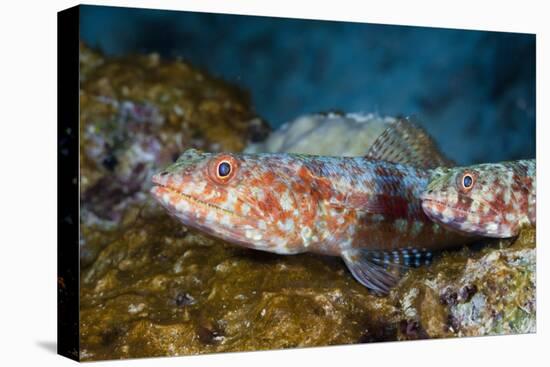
(417, 228)
(287, 226)
(325, 233)
(212, 195)
(506, 196)
(280, 246)
(447, 215)
(231, 201)
(333, 200)
(345, 244)
(199, 187)
(226, 220)
(377, 218)
(183, 206)
(464, 226)
(279, 241)
(491, 227)
(451, 197)
(211, 216)
(400, 225)
(286, 202)
(258, 193)
(245, 209)
(306, 236)
(253, 235)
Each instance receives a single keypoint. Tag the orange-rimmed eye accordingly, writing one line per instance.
(222, 168)
(467, 181)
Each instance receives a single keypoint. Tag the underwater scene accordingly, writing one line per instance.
(256, 183)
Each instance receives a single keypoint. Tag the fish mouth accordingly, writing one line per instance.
(159, 189)
(429, 200)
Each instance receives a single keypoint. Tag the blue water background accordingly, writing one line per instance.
(474, 91)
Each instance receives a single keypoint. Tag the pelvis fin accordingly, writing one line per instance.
(379, 271)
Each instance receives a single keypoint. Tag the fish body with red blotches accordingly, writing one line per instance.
(365, 210)
(490, 200)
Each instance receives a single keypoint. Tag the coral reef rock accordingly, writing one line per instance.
(332, 134)
(159, 289)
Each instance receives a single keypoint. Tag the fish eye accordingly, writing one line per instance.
(467, 181)
(224, 169)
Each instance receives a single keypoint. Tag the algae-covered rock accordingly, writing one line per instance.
(89, 60)
(162, 290)
(488, 291)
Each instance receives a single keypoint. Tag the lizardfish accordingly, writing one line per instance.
(491, 200)
(364, 209)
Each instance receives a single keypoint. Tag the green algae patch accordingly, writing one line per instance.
(487, 290)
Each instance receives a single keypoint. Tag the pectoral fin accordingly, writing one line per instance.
(379, 271)
(407, 143)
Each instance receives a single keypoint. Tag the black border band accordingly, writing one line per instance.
(68, 183)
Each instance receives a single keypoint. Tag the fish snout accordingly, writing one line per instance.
(160, 178)
(426, 196)
(434, 207)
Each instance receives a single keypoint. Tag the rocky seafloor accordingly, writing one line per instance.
(151, 287)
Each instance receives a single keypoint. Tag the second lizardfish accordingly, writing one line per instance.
(366, 210)
(491, 200)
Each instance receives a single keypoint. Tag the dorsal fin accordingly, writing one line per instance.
(407, 143)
